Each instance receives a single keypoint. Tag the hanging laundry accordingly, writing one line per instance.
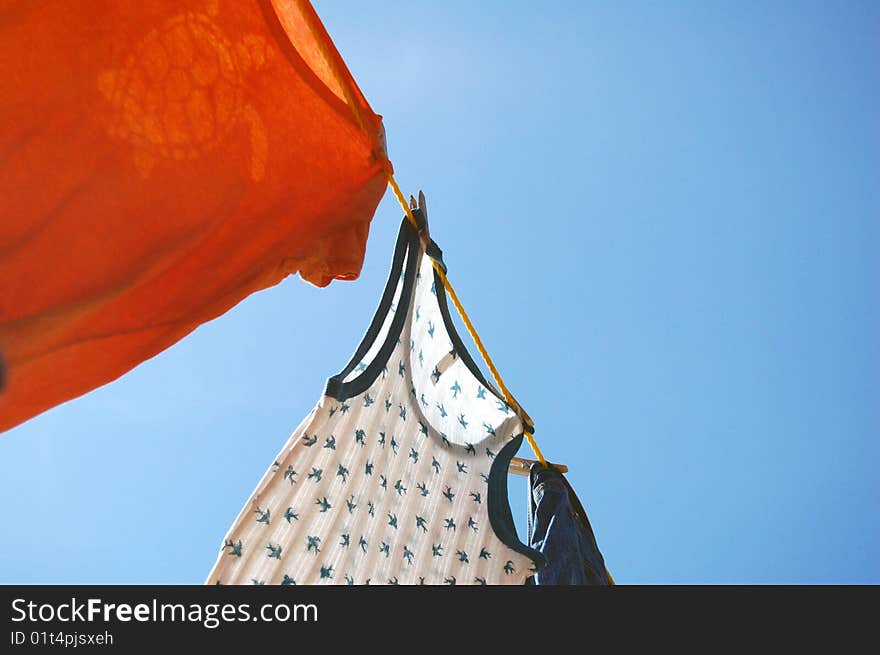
(399, 474)
(162, 160)
(560, 530)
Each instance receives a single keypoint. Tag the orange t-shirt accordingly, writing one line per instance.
(160, 161)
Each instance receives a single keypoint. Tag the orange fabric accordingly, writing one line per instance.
(159, 161)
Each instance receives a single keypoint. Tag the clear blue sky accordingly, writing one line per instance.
(663, 218)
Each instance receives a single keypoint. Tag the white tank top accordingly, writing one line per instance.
(399, 473)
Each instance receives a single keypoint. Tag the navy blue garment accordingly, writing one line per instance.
(560, 530)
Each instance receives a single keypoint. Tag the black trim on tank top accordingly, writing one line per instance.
(407, 247)
(500, 516)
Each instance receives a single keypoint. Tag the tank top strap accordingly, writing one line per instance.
(372, 354)
(449, 387)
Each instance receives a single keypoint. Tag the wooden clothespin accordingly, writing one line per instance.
(424, 233)
(521, 466)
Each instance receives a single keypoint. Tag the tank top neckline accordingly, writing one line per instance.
(409, 251)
